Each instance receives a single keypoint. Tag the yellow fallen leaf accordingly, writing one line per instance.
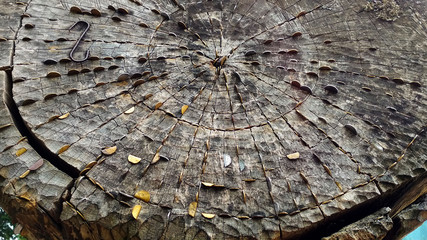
(109, 150)
(293, 156)
(5, 126)
(25, 196)
(84, 171)
(133, 159)
(91, 164)
(130, 110)
(80, 214)
(192, 209)
(180, 177)
(64, 116)
(30, 202)
(339, 185)
(143, 195)
(63, 149)
(24, 174)
(184, 108)
(156, 158)
(208, 215)
(96, 183)
(136, 210)
(223, 60)
(20, 151)
(207, 184)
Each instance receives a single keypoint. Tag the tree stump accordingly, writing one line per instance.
(178, 119)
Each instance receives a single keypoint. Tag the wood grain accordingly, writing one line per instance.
(212, 97)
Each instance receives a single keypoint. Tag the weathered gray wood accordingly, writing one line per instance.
(279, 118)
(34, 200)
(414, 215)
(380, 224)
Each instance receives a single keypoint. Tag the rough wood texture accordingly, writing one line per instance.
(379, 225)
(237, 119)
(413, 216)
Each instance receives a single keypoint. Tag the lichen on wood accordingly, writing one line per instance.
(387, 10)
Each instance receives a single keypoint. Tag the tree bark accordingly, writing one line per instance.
(178, 119)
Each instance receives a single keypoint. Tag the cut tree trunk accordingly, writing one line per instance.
(223, 119)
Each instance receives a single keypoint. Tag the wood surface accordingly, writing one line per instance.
(245, 119)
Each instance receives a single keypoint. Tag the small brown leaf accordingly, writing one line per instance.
(249, 180)
(63, 149)
(95, 12)
(158, 105)
(75, 9)
(192, 209)
(296, 34)
(208, 215)
(123, 77)
(53, 75)
(123, 11)
(143, 195)
(183, 109)
(144, 25)
(36, 165)
(20, 151)
(64, 116)
(133, 159)
(136, 210)
(302, 13)
(109, 150)
(152, 78)
(325, 68)
(293, 156)
(292, 51)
